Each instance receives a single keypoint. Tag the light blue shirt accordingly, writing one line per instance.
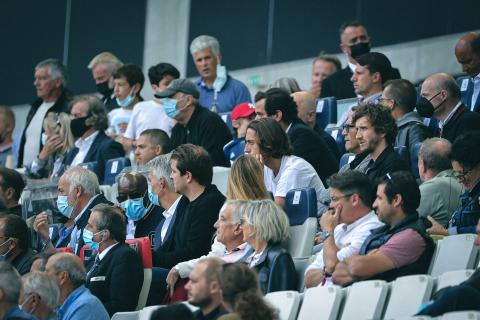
(232, 94)
(82, 304)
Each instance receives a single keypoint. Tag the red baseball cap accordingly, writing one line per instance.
(243, 110)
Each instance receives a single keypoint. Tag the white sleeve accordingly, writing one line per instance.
(130, 132)
(358, 237)
(288, 180)
(318, 264)
(217, 251)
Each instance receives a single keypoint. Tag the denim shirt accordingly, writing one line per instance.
(81, 304)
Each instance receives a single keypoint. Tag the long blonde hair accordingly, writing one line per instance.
(59, 123)
(245, 181)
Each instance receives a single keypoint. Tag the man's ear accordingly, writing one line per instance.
(158, 149)
(237, 230)
(136, 88)
(10, 193)
(376, 77)
(355, 199)
(397, 200)
(236, 124)
(154, 88)
(189, 176)
(215, 287)
(277, 116)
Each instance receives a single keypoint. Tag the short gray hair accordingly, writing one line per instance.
(205, 42)
(96, 110)
(108, 59)
(43, 285)
(435, 152)
(84, 178)
(56, 69)
(288, 84)
(75, 269)
(239, 208)
(160, 165)
(268, 220)
(10, 282)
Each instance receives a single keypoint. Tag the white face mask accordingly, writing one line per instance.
(21, 307)
(3, 257)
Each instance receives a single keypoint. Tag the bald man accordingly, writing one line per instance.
(307, 113)
(467, 51)
(442, 92)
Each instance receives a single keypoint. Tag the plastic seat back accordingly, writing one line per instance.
(365, 300)
(92, 166)
(301, 265)
(453, 278)
(321, 303)
(461, 315)
(113, 167)
(143, 247)
(287, 303)
(326, 111)
(227, 118)
(220, 178)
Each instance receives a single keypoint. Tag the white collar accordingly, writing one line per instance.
(352, 66)
(348, 227)
(87, 142)
(102, 254)
(450, 115)
(84, 208)
(170, 211)
(288, 128)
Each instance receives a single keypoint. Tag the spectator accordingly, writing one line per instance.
(401, 247)
(400, 97)
(441, 100)
(128, 80)
(345, 226)
(103, 66)
(78, 193)
(323, 66)
(439, 189)
(14, 247)
(151, 114)
(53, 96)
(87, 126)
(289, 85)
(116, 277)
(242, 115)
(282, 171)
(195, 124)
(7, 125)
(151, 143)
(307, 112)
(179, 311)
(76, 301)
(57, 141)
(11, 188)
(307, 144)
(376, 133)
(10, 287)
(354, 42)
(465, 157)
(245, 180)
(143, 216)
(40, 295)
(467, 51)
(204, 289)
(241, 294)
(219, 92)
(39, 261)
(362, 158)
(265, 227)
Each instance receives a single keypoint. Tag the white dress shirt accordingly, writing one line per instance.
(168, 214)
(83, 146)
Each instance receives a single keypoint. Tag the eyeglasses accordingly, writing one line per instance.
(335, 199)
(347, 127)
(383, 100)
(131, 195)
(460, 175)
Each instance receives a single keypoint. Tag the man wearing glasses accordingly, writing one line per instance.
(361, 158)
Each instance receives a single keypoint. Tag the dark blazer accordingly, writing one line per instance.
(308, 144)
(23, 262)
(276, 271)
(118, 279)
(411, 130)
(331, 143)
(61, 105)
(193, 229)
(102, 149)
(462, 121)
(387, 162)
(467, 95)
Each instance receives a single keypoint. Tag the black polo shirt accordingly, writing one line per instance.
(387, 162)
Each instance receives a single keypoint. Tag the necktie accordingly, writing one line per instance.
(94, 267)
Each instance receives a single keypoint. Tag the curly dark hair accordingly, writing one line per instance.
(380, 118)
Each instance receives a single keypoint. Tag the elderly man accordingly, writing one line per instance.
(14, 246)
(11, 188)
(204, 289)
(143, 216)
(76, 301)
(10, 286)
(345, 226)
(323, 66)
(219, 92)
(195, 124)
(441, 100)
(7, 125)
(92, 145)
(50, 82)
(40, 295)
(103, 65)
(467, 51)
(78, 193)
(151, 143)
(116, 277)
(440, 190)
(402, 246)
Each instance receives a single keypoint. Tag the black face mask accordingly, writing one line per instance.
(359, 48)
(78, 126)
(425, 107)
(104, 89)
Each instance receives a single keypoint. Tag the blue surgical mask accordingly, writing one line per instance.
(127, 101)
(88, 239)
(3, 257)
(221, 78)
(44, 138)
(134, 208)
(152, 197)
(64, 207)
(170, 107)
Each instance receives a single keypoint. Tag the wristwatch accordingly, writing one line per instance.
(324, 235)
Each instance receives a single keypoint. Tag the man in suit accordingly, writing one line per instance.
(467, 52)
(277, 104)
(78, 193)
(14, 243)
(116, 277)
(92, 145)
(441, 92)
(354, 41)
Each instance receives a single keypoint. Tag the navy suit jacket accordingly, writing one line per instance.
(102, 149)
(467, 94)
(462, 121)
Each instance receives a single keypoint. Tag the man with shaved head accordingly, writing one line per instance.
(467, 51)
(441, 100)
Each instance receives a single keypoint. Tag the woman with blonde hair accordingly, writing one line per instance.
(57, 141)
(245, 181)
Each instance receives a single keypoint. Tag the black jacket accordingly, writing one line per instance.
(308, 144)
(61, 105)
(387, 162)
(411, 130)
(276, 271)
(462, 121)
(102, 149)
(192, 236)
(118, 279)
